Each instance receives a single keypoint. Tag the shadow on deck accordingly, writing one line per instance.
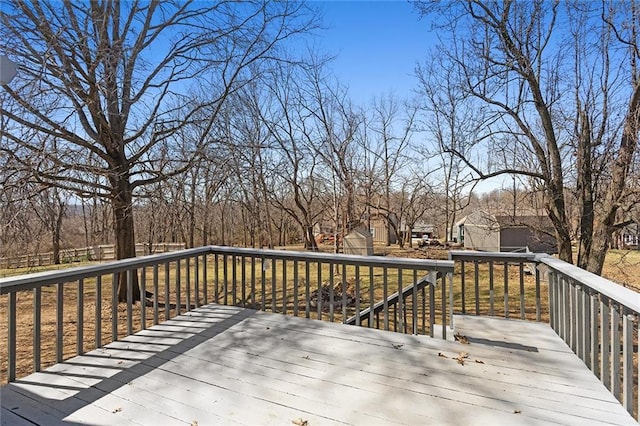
(227, 365)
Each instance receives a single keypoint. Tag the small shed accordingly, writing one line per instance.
(359, 241)
(486, 232)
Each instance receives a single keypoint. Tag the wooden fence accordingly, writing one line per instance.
(94, 253)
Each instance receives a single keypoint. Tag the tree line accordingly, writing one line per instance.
(210, 123)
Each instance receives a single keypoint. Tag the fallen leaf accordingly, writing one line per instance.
(442, 355)
(461, 357)
(300, 422)
(460, 338)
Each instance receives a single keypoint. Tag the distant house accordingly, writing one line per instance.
(483, 231)
(629, 237)
(426, 229)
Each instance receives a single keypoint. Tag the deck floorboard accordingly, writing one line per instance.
(228, 365)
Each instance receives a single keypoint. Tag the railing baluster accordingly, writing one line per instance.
(129, 302)
(167, 300)
(319, 297)
(432, 307)
(307, 293)
(605, 342)
(12, 336)
(196, 283)
(371, 297)
(538, 300)
(414, 304)
(205, 282)
(522, 305)
(444, 303)
(37, 327)
(566, 309)
(263, 284)
(476, 285)
(463, 289)
(243, 281)
(553, 301)
(331, 295)
(296, 283)
(98, 312)
(575, 317)
(627, 362)
(357, 295)
(80, 318)
(585, 321)
(187, 270)
(344, 292)
(595, 344)
(216, 277)
(274, 294)
(615, 350)
(253, 283)
(178, 288)
(143, 298)
(155, 294)
(225, 279)
(491, 291)
(234, 280)
(114, 306)
(506, 289)
(400, 301)
(284, 287)
(59, 320)
(385, 284)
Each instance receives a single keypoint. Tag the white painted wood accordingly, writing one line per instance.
(226, 365)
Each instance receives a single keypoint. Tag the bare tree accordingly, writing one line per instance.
(298, 189)
(541, 84)
(332, 129)
(393, 124)
(452, 123)
(110, 81)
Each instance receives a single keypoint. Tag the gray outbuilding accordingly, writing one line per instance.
(359, 241)
(486, 232)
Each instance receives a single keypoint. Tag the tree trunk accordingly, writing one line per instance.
(585, 191)
(57, 227)
(125, 238)
(310, 241)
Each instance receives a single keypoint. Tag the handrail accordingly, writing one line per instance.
(613, 291)
(485, 256)
(38, 279)
(393, 299)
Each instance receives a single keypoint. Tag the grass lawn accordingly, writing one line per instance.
(624, 266)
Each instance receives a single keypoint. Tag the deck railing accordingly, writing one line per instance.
(76, 310)
(52, 316)
(597, 318)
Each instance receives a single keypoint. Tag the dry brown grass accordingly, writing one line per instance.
(619, 264)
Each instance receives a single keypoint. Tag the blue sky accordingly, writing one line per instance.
(377, 44)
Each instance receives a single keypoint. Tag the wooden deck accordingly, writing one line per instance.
(227, 365)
